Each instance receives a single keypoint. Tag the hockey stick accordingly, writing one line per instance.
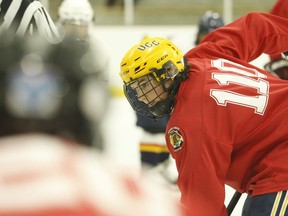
(233, 202)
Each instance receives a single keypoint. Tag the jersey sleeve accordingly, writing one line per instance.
(205, 190)
(251, 35)
(279, 9)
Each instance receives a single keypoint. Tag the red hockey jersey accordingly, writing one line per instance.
(229, 124)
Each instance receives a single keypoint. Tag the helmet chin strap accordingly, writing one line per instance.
(161, 109)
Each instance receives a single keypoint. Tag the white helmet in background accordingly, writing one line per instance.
(79, 12)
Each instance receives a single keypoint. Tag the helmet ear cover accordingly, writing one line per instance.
(168, 71)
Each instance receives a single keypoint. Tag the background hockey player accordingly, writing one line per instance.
(278, 64)
(208, 22)
(76, 19)
(227, 117)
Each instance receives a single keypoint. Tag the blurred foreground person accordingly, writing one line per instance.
(43, 85)
(228, 118)
(46, 169)
(27, 17)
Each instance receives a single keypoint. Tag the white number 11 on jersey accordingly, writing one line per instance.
(230, 72)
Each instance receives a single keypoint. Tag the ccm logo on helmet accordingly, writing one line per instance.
(148, 45)
(162, 58)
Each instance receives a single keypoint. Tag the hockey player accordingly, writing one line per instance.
(76, 18)
(278, 64)
(45, 167)
(209, 21)
(152, 143)
(228, 118)
(27, 17)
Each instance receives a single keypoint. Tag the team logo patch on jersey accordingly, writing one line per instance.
(175, 138)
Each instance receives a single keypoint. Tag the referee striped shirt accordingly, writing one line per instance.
(27, 17)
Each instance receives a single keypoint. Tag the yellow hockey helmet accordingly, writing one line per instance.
(149, 57)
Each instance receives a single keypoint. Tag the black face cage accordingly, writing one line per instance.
(159, 110)
(165, 103)
(155, 112)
